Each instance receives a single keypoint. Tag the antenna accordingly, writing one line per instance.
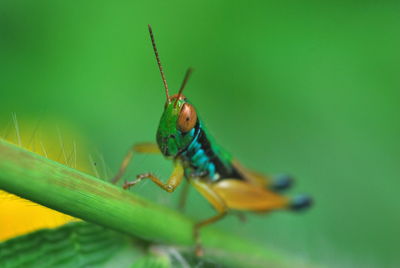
(189, 71)
(159, 63)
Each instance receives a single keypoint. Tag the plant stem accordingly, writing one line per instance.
(56, 186)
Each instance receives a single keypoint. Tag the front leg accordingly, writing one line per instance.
(144, 148)
(174, 180)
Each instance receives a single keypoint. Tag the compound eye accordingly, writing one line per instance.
(187, 118)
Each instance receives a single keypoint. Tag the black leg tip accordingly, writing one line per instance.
(301, 202)
(282, 182)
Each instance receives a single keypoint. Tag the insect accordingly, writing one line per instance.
(222, 180)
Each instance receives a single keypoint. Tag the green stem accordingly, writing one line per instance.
(56, 186)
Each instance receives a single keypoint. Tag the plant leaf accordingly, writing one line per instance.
(78, 244)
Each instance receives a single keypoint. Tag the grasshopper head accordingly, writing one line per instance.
(177, 126)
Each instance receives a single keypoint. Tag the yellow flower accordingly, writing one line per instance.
(19, 216)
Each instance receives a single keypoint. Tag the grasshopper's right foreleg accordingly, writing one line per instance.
(144, 148)
(173, 182)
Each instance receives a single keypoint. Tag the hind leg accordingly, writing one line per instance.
(240, 195)
(217, 202)
(275, 183)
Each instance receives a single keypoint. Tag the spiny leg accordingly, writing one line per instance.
(174, 180)
(148, 148)
(277, 183)
(239, 195)
(243, 196)
(217, 202)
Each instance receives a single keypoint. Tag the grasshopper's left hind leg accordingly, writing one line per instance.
(217, 202)
(144, 148)
(276, 183)
(240, 195)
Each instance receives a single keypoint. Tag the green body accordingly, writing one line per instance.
(199, 153)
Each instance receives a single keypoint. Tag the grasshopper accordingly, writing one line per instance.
(222, 180)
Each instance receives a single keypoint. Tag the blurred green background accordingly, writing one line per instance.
(302, 87)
